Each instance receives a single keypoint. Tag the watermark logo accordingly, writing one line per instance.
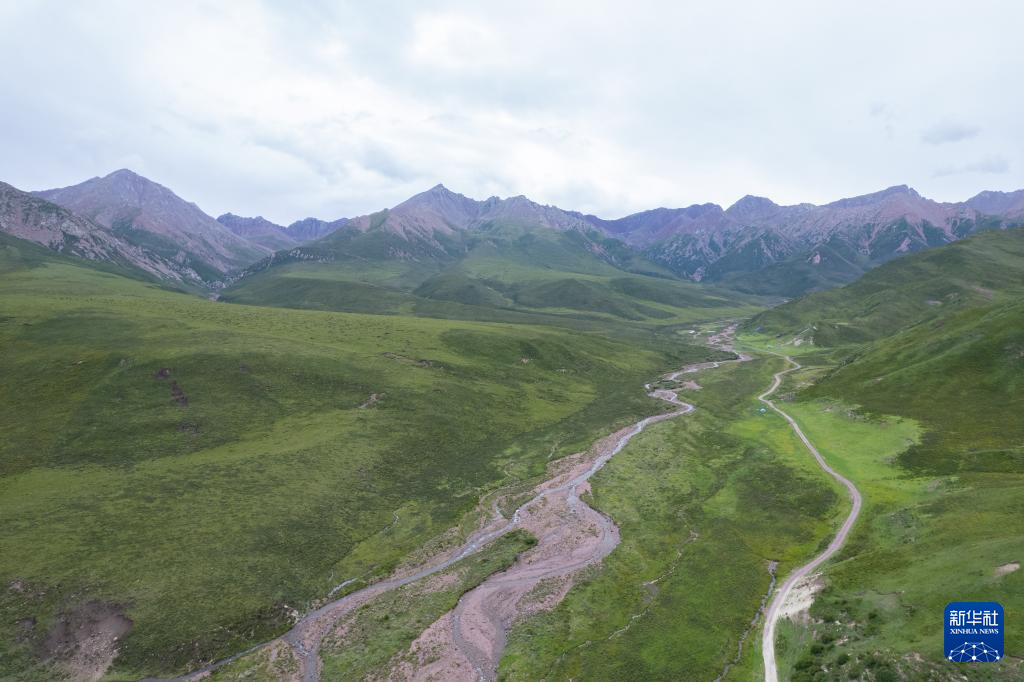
(974, 631)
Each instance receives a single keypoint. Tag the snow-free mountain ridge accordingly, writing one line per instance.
(754, 245)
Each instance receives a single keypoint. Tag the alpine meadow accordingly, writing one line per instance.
(442, 342)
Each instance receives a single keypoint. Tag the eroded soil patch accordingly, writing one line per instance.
(84, 640)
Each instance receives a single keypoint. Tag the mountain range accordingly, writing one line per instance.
(758, 245)
(277, 237)
(755, 245)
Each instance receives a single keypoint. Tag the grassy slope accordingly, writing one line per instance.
(910, 290)
(703, 503)
(908, 556)
(207, 521)
(19, 254)
(502, 273)
(956, 366)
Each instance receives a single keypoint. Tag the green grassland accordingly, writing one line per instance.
(208, 467)
(499, 273)
(704, 503)
(936, 338)
(909, 555)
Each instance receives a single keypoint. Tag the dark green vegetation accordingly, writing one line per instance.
(498, 272)
(937, 337)
(704, 502)
(796, 276)
(205, 468)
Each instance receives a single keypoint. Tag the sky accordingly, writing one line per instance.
(331, 109)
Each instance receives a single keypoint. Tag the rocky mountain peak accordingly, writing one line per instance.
(124, 174)
(231, 218)
(894, 192)
(699, 210)
(126, 201)
(437, 196)
(994, 203)
(752, 205)
(258, 230)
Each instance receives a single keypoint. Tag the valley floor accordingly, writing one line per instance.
(393, 496)
(468, 641)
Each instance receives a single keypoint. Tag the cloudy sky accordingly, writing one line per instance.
(289, 109)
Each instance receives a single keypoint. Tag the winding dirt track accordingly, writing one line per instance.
(774, 609)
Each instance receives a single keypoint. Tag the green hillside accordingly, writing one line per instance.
(499, 272)
(796, 276)
(203, 468)
(924, 286)
(18, 254)
(938, 338)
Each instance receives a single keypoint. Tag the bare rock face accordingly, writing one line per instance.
(28, 217)
(999, 203)
(841, 239)
(275, 237)
(310, 229)
(259, 230)
(144, 212)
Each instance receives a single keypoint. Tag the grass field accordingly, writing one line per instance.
(935, 339)
(204, 468)
(704, 503)
(908, 557)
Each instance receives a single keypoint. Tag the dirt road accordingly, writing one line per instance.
(774, 609)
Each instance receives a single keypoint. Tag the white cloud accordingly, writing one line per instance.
(455, 42)
(992, 165)
(325, 109)
(945, 133)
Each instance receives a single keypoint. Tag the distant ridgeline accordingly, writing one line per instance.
(755, 246)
